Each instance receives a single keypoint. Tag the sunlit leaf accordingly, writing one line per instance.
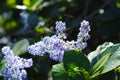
(76, 64)
(37, 4)
(2, 62)
(29, 2)
(2, 65)
(42, 30)
(107, 60)
(11, 2)
(118, 3)
(98, 67)
(20, 47)
(26, 2)
(10, 25)
(114, 59)
(98, 50)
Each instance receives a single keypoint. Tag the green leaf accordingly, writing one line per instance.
(20, 47)
(118, 3)
(42, 30)
(2, 63)
(101, 48)
(33, 4)
(11, 2)
(98, 67)
(58, 72)
(10, 25)
(114, 59)
(29, 2)
(108, 60)
(76, 64)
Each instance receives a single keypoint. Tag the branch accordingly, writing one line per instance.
(91, 15)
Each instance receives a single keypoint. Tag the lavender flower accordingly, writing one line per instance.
(60, 27)
(57, 55)
(14, 66)
(55, 45)
(37, 49)
(56, 51)
(83, 35)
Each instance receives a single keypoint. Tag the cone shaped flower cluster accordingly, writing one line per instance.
(14, 66)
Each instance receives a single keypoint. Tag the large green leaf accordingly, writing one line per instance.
(114, 59)
(58, 72)
(108, 60)
(76, 64)
(20, 47)
(99, 49)
(108, 50)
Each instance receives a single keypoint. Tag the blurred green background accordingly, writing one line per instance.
(34, 19)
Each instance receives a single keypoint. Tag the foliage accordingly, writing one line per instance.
(77, 66)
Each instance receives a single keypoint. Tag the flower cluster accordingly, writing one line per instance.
(83, 35)
(14, 66)
(56, 45)
(60, 27)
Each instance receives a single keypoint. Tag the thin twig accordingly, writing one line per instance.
(92, 14)
(107, 2)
